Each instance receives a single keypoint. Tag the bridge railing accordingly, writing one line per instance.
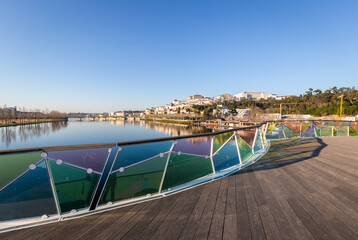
(277, 130)
(40, 185)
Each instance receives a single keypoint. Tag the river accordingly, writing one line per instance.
(87, 132)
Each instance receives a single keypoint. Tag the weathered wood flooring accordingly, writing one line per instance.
(302, 189)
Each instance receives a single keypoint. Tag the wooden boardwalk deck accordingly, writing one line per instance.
(302, 189)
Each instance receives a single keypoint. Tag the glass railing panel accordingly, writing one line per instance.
(263, 128)
(227, 156)
(244, 148)
(352, 132)
(305, 125)
(185, 168)
(12, 165)
(136, 153)
(343, 131)
(276, 133)
(319, 123)
(310, 131)
(248, 135)
(29, 196)
(258, 142)
(271, 126)
(74, 186)
(328, 123)
(83, 158)
(289, 133)
(318, 131)
(327, 130)
(220, 140)
(337, 124)
(197, 146)
(354, 127)
(136, 180)
(293, 126)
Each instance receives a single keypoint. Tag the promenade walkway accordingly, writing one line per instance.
(301, 189)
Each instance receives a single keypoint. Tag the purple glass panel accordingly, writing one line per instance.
(198, 146)
(247, 135)
(87, 158)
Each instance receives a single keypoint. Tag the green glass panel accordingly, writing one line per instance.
(221, 139)
(244, 148)
(352, 132)
(29, 196)
(258, 142)
(343, 131)
(12, 165)
(289, 133)
(184, 168)
(74, 187)
(318, 130)
(275, 134)
(327, 131)
(138, 180)
(139, 152)
(226, 157)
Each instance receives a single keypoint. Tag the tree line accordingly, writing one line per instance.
(313, 102)
(23, 115)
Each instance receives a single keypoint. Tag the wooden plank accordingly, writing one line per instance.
(175, 221)
(204, 226)
(217, 222)
(230, 221)
(284, 226)
(256, 227)
(194, 219)
(243, 222)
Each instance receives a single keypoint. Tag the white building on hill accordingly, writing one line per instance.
(255, 95)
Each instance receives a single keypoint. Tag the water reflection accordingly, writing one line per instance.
(168, 129)
(24, 133)
(88, 132)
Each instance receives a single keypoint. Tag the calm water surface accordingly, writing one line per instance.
(87, 132)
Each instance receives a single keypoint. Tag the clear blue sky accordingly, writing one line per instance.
(102, 56)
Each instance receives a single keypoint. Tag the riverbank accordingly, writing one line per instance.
(29, 121)
(182, 122)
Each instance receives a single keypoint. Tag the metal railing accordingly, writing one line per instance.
(41, 185)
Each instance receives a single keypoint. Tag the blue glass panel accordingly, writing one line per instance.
(29, 196)
(258, 142)
(226, 157)
(276, 133)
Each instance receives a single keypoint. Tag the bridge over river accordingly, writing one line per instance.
(301, 189)
(273, 180)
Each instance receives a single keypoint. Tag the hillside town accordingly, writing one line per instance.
(186, 106)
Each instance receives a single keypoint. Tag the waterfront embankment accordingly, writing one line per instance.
(16, 122)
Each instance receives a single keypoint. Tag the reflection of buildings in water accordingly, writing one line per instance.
(175, 130)
(25, 132)
(118, 122)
